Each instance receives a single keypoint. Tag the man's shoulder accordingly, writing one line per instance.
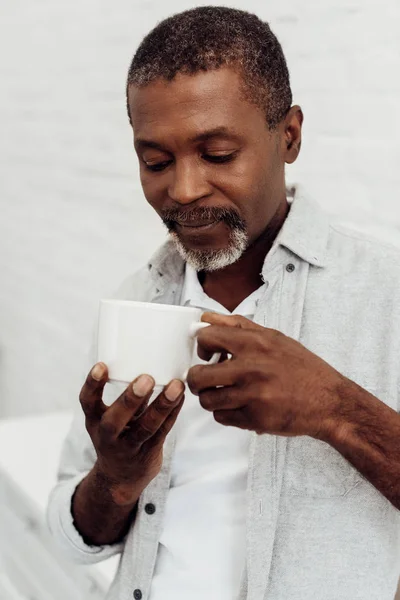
(136, 286)
(374, 248)
(164, 268)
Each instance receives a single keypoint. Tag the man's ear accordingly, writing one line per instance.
(292, 133)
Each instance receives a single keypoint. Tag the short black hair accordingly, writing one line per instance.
(208, 37)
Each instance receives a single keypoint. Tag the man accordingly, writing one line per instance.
(277, 474)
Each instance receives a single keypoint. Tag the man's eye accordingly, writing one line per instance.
(214, 158)
(158, 166)
(219, 158)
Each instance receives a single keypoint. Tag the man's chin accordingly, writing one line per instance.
(210, 259)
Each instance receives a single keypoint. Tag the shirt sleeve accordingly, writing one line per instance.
(77, 459)
(78, 456)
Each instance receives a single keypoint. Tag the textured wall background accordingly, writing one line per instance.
(74, 221)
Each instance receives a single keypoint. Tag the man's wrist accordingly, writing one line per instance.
(337, 424)
(123, 494)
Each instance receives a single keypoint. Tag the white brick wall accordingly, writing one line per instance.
(73, 219)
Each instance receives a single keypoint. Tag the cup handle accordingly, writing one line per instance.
(193, 330)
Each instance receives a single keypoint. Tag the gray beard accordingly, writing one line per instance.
(213, 260)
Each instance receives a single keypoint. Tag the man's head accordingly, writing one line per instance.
(209, 101)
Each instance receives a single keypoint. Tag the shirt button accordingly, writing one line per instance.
(290, 268)
(150, 508)
(137, 594)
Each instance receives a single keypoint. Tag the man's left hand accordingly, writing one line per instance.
(271, 384)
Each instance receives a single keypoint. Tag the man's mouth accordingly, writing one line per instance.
(196, 225)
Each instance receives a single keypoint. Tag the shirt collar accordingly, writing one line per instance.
(194, 295)
(192, 291)
(305, 231)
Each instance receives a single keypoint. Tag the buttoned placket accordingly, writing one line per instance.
(148, 527)
(280, 307)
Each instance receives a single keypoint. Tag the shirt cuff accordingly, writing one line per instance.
(60, 522)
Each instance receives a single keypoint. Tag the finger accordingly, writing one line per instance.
(156, 414)
(165, 428)
(91, 394)
(229, 321)
(224, 320)
(201, 377)
(224, 398)
(219, 338)
(205, 355)
(129, 404)
(233, 418)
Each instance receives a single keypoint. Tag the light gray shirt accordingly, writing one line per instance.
(315, 528)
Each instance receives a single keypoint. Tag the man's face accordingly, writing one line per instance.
(209, 166)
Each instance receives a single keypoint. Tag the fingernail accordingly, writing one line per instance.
(98, 371)
(174, 390)
(142, 386)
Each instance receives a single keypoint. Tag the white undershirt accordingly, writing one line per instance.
(201, 553)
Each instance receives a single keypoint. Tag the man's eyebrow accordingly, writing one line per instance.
(216, 132)
(141, 143)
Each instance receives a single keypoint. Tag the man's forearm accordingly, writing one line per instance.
(97, 517)
(367, 434)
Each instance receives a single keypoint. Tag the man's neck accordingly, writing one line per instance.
(231, 285)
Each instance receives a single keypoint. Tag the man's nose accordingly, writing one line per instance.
(187, 182)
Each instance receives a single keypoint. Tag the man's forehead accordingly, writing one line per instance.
(186, 92)
(202, 106)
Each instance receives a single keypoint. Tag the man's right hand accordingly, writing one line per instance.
(129, 435)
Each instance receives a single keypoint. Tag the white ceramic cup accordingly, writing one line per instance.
(143, 337)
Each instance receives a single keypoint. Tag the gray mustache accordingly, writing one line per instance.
(172, 217)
